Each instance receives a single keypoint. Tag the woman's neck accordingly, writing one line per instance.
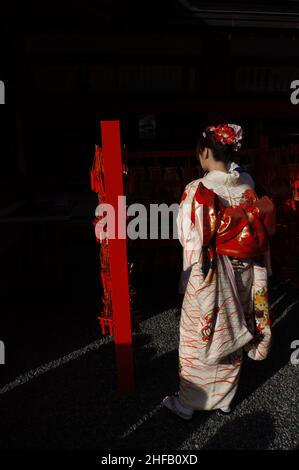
(219, 166)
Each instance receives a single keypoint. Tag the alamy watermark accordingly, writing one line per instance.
(295, 94)
(2, 92)
(2, 353)
(295, 354)
(135, 221)
(158, 221)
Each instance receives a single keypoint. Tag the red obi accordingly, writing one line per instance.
(241, 231)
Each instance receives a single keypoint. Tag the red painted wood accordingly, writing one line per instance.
(112, 157)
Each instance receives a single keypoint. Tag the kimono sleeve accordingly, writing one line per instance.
(190, 231)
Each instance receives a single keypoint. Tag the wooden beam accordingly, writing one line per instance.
(113, 175)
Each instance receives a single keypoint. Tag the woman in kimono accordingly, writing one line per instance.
(224, 229)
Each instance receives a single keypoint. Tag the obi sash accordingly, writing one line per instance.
(241, 231)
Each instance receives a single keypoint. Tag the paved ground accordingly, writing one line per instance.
(71, 401)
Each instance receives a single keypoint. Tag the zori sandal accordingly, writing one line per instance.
(225, 410)
(173, 404)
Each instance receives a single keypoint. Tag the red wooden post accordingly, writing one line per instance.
(113, 171)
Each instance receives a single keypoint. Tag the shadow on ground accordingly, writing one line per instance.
(77, 406)
(253, 431)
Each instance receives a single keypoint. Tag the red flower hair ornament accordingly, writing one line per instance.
(227, 134)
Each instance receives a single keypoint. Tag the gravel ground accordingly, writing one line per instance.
(75, 405)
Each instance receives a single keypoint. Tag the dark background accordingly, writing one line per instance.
(66, 67)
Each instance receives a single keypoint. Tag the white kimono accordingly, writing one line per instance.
(218, 316)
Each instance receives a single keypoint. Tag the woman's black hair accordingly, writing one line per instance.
(221, 152)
